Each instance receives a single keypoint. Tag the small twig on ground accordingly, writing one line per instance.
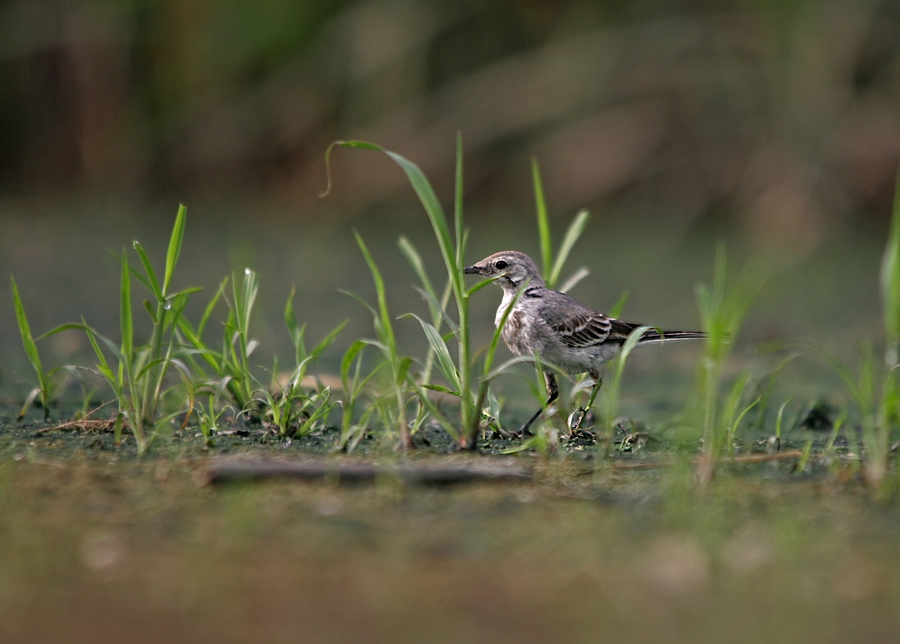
(359, 472)
(84, 423)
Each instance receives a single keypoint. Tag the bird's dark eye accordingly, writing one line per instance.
(500, 265)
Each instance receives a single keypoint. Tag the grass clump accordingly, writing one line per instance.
(137, 373)
(395, 414)
(722, 312)
(873, 388)
(142, 376)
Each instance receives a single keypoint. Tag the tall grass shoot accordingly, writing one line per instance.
(47, 380)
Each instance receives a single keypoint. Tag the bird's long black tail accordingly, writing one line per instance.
(653, 336)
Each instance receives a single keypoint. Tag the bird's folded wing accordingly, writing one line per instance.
(590, 329)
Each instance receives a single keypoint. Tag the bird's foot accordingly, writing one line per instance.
(524, 432)
(576, 418)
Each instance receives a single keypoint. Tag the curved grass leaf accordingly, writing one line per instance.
(445, 362)
(152, 281)
(174, 247)
(619, 306)
(573, 280)
(575, 230)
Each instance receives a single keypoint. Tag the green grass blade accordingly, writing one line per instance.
(503, 367)
(480, 285)
(890, 284)
(294, 329)
(383, 314)
(209, 307)
(92, 338)
(403, 367)
(29, 401)
(780, 417)
(415, 261)
(458, 206)
(127, 325)
(612, 407)
(740, 417)
(347, 362)
(804, 457)
(436, 413)
(148, 307)
(145, 369)
(851, 383)
(543, 223)
(327, 340)
(630, 343)
(427, 197)
(28, 342)
(361, 301)
(444, 360)
(434, 305)
(59, 329)
(576, 277)
(735, 394)
(245, 299)
(574, 232)
(619, 306)
(148, 269)
(174, 247)
(134, 272)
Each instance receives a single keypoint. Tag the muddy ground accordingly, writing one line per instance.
(97, 545)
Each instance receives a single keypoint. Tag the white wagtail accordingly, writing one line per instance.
(559, 328)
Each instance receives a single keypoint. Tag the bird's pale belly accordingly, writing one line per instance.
(515, 334)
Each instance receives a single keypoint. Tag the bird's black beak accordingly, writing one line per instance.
(472, 270)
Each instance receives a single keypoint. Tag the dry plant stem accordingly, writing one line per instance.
(83, 424)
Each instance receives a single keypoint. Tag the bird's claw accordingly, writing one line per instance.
(576, 418)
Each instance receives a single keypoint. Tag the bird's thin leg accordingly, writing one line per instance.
(578, 417)
(552, 394)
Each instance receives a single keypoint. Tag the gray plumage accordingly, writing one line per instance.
(562, 330)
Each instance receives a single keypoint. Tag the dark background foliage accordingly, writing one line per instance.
(783, 115)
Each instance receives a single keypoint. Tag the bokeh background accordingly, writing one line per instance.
(774, 124)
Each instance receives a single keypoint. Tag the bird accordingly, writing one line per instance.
(557, 327)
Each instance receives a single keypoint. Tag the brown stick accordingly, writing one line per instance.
(359, 472)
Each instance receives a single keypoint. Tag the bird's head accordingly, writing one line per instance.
(511, 269)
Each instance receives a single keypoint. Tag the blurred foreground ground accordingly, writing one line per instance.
(98, 547)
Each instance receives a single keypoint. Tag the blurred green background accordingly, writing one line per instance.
(775, 124)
